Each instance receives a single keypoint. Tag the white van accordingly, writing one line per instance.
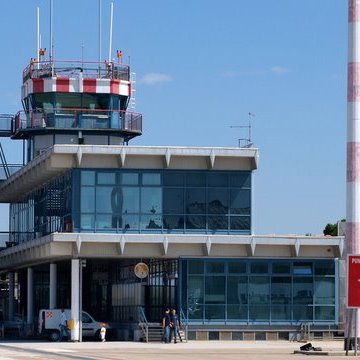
(49, 320)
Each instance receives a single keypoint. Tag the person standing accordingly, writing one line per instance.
(64, 326)
(174, 326)
(166, 326)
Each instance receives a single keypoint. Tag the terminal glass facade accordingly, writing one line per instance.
(243, 291)
(163, 201)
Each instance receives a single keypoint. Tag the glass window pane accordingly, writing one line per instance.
(87, 177)
(131, 199)
(215, 267)
(173, 200)
(259, 313)
(195, 222)
(195, 311)
(104, 178)
(129, 178)
(281, 290)
(174, 179)
(325, 313)
(87, 200)
(218, 222)
(215, 289)
(130, 222)
(196, 267)
(241, 179)
(87, 222)
(240, 201)
(324, 289)
(259, 290)
(237, 290)
(302, 290)
(150, 222)
(175, 222)
(196, 179)
(280, 268)
(195, 290)
(195, 201)
(218, 201)
(217, 179)
(240, 223)
(237, 267)
(237, 312)
(324, 268)
(151, 200)
(106, 201)
(259, 267)
(214, 312)
(303, 312)
(281, 313)
(105, 222)
(303, 268)
(151, 179)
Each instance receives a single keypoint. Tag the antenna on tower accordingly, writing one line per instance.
(247, 141)
(111, 29)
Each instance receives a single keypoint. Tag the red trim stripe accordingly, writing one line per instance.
(89, 85)
(63, 84)
(38, 85)
(114, 86)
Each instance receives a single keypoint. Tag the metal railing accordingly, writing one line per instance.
(144, 325)
(77, 118)
(76, 69)
(184, 321)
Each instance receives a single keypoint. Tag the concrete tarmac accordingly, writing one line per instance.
(199, 350)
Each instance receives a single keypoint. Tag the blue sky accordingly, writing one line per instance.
(201, 67)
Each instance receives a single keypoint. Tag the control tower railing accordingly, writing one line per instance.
(74, 118)
(76, 69)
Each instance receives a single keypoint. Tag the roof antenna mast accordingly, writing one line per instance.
(111, 29)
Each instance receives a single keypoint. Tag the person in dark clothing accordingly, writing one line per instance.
(166, 326)
(174, 326)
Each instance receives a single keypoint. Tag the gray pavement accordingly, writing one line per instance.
(199, 350)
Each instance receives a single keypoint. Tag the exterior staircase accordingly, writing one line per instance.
(155, 333)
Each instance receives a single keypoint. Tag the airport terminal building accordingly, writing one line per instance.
(122, 231)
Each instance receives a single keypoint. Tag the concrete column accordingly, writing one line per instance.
(75, 298)
(52, 286)
(30, 295)
(353, 145)
(11, 295)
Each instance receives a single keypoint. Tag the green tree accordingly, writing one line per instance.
(332, 229)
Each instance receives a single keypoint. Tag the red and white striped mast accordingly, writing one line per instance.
(353, 147)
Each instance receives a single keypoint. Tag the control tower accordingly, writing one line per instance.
(75, 102)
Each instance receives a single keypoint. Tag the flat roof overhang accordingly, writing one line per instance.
(57, 159)
(62, 246)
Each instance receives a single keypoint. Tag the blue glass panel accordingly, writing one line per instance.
(324, 268)
(259, 313)
(196, 179)
(217, 201)
(303, 290)
(259, 290)
(87, 177)
(106, 201)
(218, 222)
(214, 289)
(303, 268)
(174, 179)
(195, 311)
(240, 223)
(237, 312)
(105, 178)
(105, 222)
(259, 267)
(151, 200)
(195, 290)
(215, 267)
(87, 199)
(237, 290)
(217, 179)
(171, 222)
(131, 199)
(325, 313)
(173, 200)
(196, 266)
(87, 222)
(151, 179)
(237, 267)
(130, 222)
(302, 312)
(280, 267)
(129, 178)
(195, 222)
(151, 222)
(324, 289)
(242, 179)
(195, 201)
(281, 313)
(214, 312)
(240, 201)
(281, 290)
